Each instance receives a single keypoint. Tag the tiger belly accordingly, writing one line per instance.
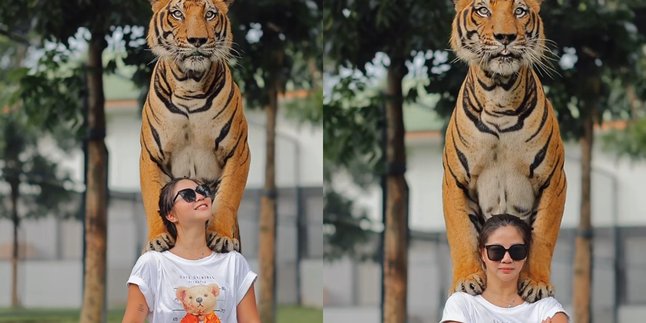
(195, 162)
(501, 189)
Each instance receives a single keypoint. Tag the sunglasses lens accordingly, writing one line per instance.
(203, 190)
(518, 252)
(188, 195)
(495, 252)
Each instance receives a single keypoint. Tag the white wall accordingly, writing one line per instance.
(292, 140)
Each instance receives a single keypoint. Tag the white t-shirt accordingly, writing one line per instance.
(462, 307)
(160, 275)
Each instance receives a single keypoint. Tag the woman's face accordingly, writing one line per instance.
(505, 269)
(185, 212)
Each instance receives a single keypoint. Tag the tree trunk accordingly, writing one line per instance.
(13, 170)
(14, 184)
(582, 256)
(93, 310)
(396, 231)
(267, 239)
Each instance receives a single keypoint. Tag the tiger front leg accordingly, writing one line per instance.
(468, 274)
(223, 233)
(152, 179)
(535, 283)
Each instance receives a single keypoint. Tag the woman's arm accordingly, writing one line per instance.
(246, 309)
(136, 307)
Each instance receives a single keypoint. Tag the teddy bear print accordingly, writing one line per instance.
(199, 303)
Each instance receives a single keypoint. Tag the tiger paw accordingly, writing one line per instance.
(160, 243)
(222, 244)
(472, 284)
(532, 291)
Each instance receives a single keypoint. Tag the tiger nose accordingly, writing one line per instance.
(505, 39)
(197, 41)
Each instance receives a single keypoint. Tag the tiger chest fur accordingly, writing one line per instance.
(195, 140)
(505, 174)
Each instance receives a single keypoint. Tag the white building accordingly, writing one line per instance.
(50, 273)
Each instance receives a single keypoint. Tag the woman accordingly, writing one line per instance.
(190, 282)
(504, 243)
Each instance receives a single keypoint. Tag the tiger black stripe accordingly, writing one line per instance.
(527, 106)
(246, 156)
(190, 75)
(540, 156)
(562, 181)
(462, 158)
(462, 26)
(470, 91)
(231, 92)
(549, 178)
(216, 88)
(504, 85)
(459, 184)
(477, 220)
(233, 150)
(165, 98)
(149, 113)
(220, 33)
(225, 130)
(155, 135)
(474, 118)
(542, 124)
(163, 167)
(460, 136)
(222, 110)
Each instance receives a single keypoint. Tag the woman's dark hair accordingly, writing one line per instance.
(503, 220)
(166, 203)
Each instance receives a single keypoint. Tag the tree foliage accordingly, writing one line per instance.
(275, 41)
(45, 186)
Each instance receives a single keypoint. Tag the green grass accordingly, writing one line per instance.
(294, 314)
(286, 314)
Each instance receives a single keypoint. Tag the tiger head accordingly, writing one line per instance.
(498, 35)
(192, 33)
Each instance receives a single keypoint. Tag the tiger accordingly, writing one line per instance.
(193, 123)
(503, 152)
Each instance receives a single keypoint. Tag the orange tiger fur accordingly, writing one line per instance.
(503, 151)
(193, 123)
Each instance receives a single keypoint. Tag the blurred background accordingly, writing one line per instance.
(73, 77)
(390, 80)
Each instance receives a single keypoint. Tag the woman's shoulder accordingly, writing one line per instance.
(461, 297)
(149, 256)
(548, 302)
(232, 256)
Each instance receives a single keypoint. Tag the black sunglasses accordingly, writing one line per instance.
(496, 252)
(190, 195)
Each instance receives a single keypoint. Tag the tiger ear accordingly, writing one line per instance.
(158, 4)
(229, 3)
